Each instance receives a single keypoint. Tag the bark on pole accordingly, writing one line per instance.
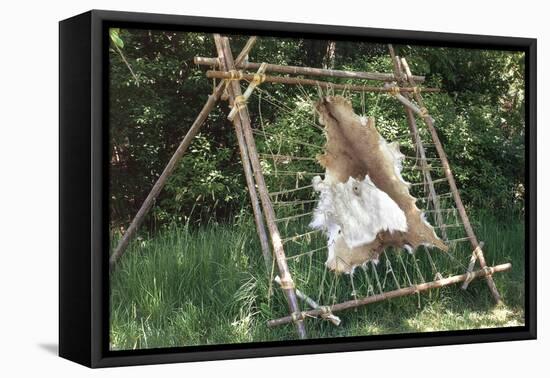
(452, 184)
(410, 290)
(401, 77)
(180, 151)
(224, 51)
(238, 75)
(461, 209)
(429, 180)
(306, 71)
(251, 186)
(258, 216)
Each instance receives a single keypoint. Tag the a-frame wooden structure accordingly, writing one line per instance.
(401, 84)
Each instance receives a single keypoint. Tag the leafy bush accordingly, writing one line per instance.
(156, 93)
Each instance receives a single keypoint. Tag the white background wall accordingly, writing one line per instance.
(29, 189)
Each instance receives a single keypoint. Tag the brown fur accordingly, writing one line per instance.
(347, 258)
(353, 149)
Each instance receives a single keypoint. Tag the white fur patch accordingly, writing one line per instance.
(357, 209)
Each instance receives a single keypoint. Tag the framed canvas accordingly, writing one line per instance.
(235, 188)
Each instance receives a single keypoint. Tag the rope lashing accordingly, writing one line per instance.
(394, 90)
(327, 314)
(416, 90)
(424, 112)
(259, 78)
(297, 316)
(240, 101)
(287, 284)
(235, 75)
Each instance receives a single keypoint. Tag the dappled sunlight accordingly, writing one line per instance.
(448, 320)
(195, 274)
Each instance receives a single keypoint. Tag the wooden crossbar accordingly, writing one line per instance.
(410, 290)
(226, 75)
(307, 71)
(263, 206)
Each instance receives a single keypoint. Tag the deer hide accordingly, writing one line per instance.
(364, 203)
(358, 208)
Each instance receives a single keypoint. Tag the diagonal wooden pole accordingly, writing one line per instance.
(161, 181)
(429, 180)
(234, 91)
(397, 70)
(477, 251)
(257, 211)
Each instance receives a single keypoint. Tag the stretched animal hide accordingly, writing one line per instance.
(364, 204)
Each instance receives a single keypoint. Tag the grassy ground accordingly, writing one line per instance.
(210, 286)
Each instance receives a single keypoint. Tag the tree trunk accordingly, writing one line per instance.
(330, 55)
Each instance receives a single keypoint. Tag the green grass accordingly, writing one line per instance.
(209, 285)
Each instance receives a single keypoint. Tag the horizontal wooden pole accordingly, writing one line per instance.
(307, 71)
(316, 83)
(488, 271)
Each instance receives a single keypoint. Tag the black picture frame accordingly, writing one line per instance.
(83, 197)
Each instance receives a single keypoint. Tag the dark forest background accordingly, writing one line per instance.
(156, 92)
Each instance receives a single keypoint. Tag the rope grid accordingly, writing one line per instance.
(289, 164)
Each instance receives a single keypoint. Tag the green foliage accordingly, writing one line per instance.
(188, 286)
(481, 120)
(194, 275)
(479, 117)
(148, 122)
(206, 184)
(115, 37)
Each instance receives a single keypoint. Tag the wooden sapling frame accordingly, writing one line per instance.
(306, 71)
(239, 75)
(410, 290)
(401, 84)
(477, 248)
(417, 141)
(234, 91)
